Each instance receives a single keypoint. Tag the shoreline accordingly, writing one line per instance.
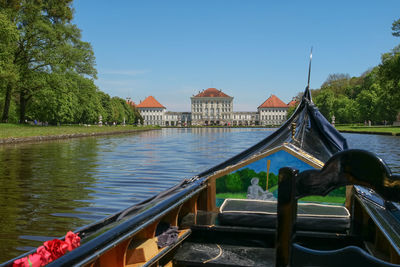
(17, 140)
(365, 132)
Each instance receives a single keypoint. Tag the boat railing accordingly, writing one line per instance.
(350, 167)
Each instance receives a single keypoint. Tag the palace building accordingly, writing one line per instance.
(152, 111)
(213, 107)
(273, 111)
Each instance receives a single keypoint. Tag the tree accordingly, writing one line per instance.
(396, 28)
(48, 43)
(345, 110)
(105, 101)
(8, 71)
(325, 102)
(389, 82)
(336, 83)
(291, 110)
(367, 102)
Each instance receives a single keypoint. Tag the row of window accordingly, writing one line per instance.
(150, 111)
(199, 117)
(160, 117)
(273, 117)
(212, 110)
(152, 117)
(198, 102)
(273, 110)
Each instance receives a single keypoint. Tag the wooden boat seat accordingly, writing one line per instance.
(350, 167)
(263, 214)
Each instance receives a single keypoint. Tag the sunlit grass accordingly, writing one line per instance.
(367, 129)
(232, 195)
(317, 199)
(8, 130)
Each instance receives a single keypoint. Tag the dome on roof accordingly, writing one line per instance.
(211, 92)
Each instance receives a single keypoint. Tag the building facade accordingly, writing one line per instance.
(245, 118)
(151, 111)
(180, 119)
(211, 107)
(272, 112)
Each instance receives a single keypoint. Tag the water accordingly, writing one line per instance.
(51, 187)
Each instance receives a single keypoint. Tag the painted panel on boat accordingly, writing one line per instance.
(250, 182)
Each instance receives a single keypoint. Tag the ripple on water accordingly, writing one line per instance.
(51, 187)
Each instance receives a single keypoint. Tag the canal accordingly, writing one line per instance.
(49, 188)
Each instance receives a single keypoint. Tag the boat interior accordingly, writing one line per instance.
(194, 227)
(255, 209)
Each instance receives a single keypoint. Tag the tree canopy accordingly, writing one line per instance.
(47, 71)
(374, 96)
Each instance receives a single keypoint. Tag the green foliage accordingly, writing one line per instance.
(345, 110)
(291, 110)
(373, 96)
(240, 180)
(47, 71)
(234, 183)
(325, 102)
(396, 28)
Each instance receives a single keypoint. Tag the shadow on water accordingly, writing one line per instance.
(51, 187)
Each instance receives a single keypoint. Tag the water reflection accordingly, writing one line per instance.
(38, 180)
(52, 187)
(385, 146)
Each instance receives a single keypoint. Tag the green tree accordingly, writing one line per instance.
(325, 102)
(367, 104)
(55, 103)
(48, 43)
(291, 110)
(8, 71)
(396, 28)
(345, 110)
(389, 81)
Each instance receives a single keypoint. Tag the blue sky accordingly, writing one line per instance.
(249, 49)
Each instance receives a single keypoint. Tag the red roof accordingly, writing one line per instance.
(212, 92)
(150, 102)
(292, 103)
(273, 102)
(131, 103)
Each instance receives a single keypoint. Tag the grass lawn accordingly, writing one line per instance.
(318, 199)
(8, 130)
(326, 199)
(232, 195)
(373, 129)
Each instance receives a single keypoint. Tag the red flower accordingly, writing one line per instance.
(73, 240)
(33, 260)
(45, 256)
(56, 247)
(52, 250)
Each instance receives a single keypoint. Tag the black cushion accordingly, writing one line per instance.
(261, 213)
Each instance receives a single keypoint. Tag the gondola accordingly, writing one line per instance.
(225, 216)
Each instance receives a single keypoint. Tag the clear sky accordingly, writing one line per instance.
(248, 48)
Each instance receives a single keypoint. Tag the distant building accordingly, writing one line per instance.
(292, 103)
(246, 118)
(151, 111)
(180, 119)
(211, 107)
(130, 102)
(273, 111)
